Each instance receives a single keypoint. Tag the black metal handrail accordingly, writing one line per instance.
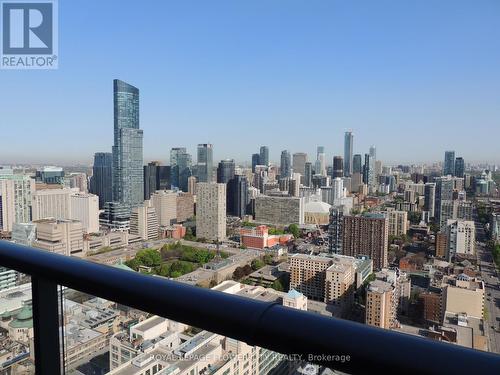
(316, 338)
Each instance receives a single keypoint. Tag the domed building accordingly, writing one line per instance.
(21, 328)
(317, 213)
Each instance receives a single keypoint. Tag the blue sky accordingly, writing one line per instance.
(412, 77)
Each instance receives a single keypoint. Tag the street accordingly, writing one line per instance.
(489, 275)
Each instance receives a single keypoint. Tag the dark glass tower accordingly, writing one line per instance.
(225, 171)
(459, 167)
(128, 185)
(449, 163)
(174, 165)
(237, 196)
(255, 161)
(156, 177)
(101, 183)
(338, 167)
(348, 150)
(357, 164)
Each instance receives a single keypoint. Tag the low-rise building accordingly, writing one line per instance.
(463, 295)
(259, 237)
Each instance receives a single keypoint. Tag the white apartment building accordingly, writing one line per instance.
(7, 211)
(461, 237)
(22, 187)
(211, 211)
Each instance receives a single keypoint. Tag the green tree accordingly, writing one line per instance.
(294, 229)
(257, 264)
(277, 285)
(148, 258)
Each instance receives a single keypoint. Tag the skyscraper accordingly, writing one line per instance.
(459, 167)
(237, 196)
(174, 165)
(430, 198)
(264, 155)
(357, 164)
(205, 163)
(156, 177)
(444, 193)
(369, 171)
(128, 185)
(449, 163)
(338, 167)
(299, 160)
(286, 164)
(255, 161)
(184, 165)
(335, 230)
(225, 171)
(348, 150)
(320, 161)
(101, 183)
(373, 152)
(308, 174)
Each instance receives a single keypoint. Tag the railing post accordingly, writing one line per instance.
(46, 327)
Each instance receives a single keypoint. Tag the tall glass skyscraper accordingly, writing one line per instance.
(101, 183)
(128, 184)
(205, 165)
(449, 163)
(459, 167)
(264, 155)
(348, 150)
(357, 164)
(286, 164)
(174, 165)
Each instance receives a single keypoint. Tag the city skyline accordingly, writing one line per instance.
(313, 78)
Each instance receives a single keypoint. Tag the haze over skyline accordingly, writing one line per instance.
(414, 80)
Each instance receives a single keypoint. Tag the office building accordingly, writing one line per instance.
(128, 175)
(449, 163)
(357, 164)
(459, 167)
(60, 236)
(348, 151)
(320, 166)
(101, 182)
(373, 152)
(165, 205)
(85, 208)
(225, 171)
(52, 203)
(308, 173)
(279, 210)
(205, 163)
(430, 198)
(237, 196)
(77, 181)
(299, 161)
(174, 165)
(50, 175)
(156, 177)
(264, 156)
(461, 238)
(398, 222)
(366, 235)
(24, 233)
(116, 216)
(286, 164)
(211, 211)
(255, 161)
(338, 167)
(192, 185)
(144, 222)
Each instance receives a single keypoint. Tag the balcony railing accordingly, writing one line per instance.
(316, 338)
